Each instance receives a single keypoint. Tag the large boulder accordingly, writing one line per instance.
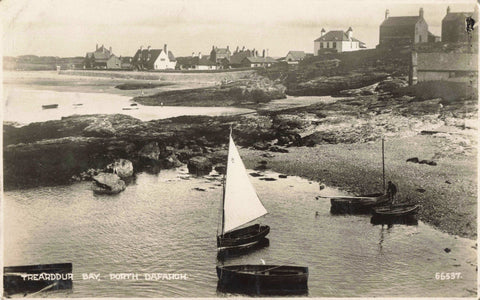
(108, 183)
(171, 161)
(150, 151)
(199, 165)
(122, 167)
(100, 128)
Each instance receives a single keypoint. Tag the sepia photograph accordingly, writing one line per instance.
(256, 148)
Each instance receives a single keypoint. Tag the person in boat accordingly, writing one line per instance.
(391, 191)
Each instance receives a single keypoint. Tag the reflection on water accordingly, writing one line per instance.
(163, 224)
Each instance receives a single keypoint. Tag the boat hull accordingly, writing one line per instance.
(263, 279)
(242, 236)
(229, 252)
(401, 210)
(55, 276)
(49, 106)
(357, 205)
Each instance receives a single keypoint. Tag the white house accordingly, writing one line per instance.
(154, 59)
(337, 41)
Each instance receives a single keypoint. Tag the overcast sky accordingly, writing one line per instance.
(73, 27)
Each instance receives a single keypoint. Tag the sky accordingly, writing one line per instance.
(68, 28)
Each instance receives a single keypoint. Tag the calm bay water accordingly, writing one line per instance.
(162, 224)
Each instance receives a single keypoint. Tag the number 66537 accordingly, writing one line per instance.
(448, 275)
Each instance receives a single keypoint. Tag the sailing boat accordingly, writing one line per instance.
(241, 205)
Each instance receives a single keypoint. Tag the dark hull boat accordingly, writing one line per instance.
(243, 236)
(263, 279)
(35, 278)
(230, 252)
(49, 106)
(357, 204)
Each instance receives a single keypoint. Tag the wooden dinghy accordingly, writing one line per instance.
(263, 279)
(49, 106)
(230, 252)
(35, 278)
(398, 210)
(357, 204)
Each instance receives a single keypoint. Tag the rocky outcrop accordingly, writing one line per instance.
(150, 151)
(199, 165)
(122, 167)
(108, 183)
(100, 128)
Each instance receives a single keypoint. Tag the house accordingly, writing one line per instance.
(401, 31)
(336, 41)
(458, 67)
(154, 59)
(294, 57)
(220, 55)
(256, 61)
(238, 56)
(196, 62)
(126, 62)
(433, 38)
(454, 26)
(114, 62)
(98, 59)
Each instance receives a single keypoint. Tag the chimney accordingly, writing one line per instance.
(96, 48)
(263, 53)
(148, 48)
(110, 49)
(243, 48)
(256, 53)
(349, 33)
(193, 54)
(322, 32)
(387, 12)
(103, 49)
(199, 55)
(228, 48)
(165, 48)
(420, 12)
(141, 47)
(448, 9)
(213, 47)
(236, 50)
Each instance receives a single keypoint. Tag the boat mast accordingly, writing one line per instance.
(383, 162)
(225, 182)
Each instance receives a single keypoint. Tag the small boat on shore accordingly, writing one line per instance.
(357, 204)
(263, 279)
(130, 108)
(49, 106)
(35, 278)
(397, 210)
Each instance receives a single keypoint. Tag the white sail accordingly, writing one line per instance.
(241, 203)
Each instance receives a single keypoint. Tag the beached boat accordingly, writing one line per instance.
(35, 278)
(263, 279)
(357, 204)
(396, 210)
(130, 108)
(49, 106)
(240, 205)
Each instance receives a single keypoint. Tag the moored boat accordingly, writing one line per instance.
(34, 278)
(229, 252)
(240, 205)
(357, 204)
(49, 106)
(397, 210)
(263, 279)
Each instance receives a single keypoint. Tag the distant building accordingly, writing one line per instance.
(154, 59)
(220, 55)
(126, 62)
(400, 31)
(98, 59)
(238, 56)
(196, 62)
(454, 26)
(255, 61)
(336, 41)
(433, 38)
(294, 57)
(459, 67)
(114, 62)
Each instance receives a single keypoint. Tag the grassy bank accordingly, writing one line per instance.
(447, 191)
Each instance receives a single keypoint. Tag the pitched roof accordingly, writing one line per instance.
(457, 16)
(258, 59)
(401, 21)
(195, 61)
(239, 56)
(447, 62)
(297, 55)
(150, 60)
(333, 35)
(222, 50)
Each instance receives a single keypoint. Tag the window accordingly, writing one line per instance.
(321, 45)
(419, 38)
(162, 59)
(334, 45)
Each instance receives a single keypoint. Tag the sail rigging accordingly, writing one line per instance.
(240, 201)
